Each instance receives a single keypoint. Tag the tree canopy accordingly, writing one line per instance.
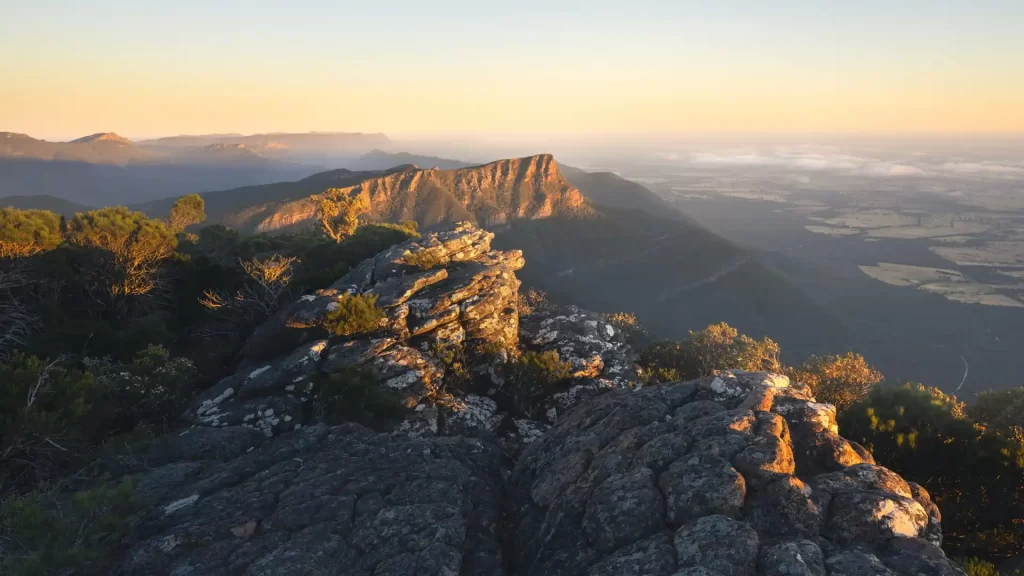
(27, 232)
(131, 243)
(187, 210)
(338, 212)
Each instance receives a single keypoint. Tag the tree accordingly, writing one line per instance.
(187, 210)
(838, 380)
(338, 212)
(128, 244)
(266, 281)
(975, 475)
(717, 347)
(28, 232)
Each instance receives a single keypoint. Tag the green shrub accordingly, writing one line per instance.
(42, 408)
(978, 567)
(717, 347)
(531, 375)
(355, 314)
(529, 300)
(425, 259)
(975, 475)
(47, 532)
(629, 325)
(838, 380)
(354, 395)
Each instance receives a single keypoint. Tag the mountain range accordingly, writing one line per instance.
(105, 168)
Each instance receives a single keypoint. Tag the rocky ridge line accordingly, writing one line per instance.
(739, 474)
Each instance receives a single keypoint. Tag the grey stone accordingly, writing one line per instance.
(718, 543)
(700, 485)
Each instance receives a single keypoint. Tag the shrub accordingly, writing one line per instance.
(42, 405)
(978, 567)
(1003, 409)
(529, 300)
(838, 380)
(629, 325)
(47, 532)
(425, 259)
(532, 374)
(152, 389)
(354, 395)
(355, 314)
(976, 476)
(717, 347)
(27, 232)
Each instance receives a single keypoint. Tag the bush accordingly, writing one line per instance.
(354, 395)
(629, 325)
(531, 375)
(152, 389)
(717, 347)
(976, 476)
(838, 380)
(27, 232)
(529, 300)
(42, 406)
(425, 259)
(1003, 409)
(47, 532)
(978, 567)
(355, 314)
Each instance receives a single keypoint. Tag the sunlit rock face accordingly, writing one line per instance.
(490, 195)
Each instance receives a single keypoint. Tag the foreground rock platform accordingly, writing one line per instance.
(739, 474)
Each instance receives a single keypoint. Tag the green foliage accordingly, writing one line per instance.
(354, 395)
(453, 356)
(717, 347)
(338, 212)
(978, 567)
(1000, 409)
(187, 210)
(976, 476)
(355, 314)
(425, 259)
(27, 232)
(838, 380)
(46, 532)
(128, 246)
(629, 325)
(52, 416)
(531, 375)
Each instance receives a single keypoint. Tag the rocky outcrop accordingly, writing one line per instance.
(446, 290)
(739, 474)
(323, 501)
(699, 479)
(491, 195)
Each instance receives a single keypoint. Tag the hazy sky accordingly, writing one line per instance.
(146, 67)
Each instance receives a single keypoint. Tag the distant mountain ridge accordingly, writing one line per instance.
(491, 194)
(283, 144)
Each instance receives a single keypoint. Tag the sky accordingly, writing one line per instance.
(146, 68)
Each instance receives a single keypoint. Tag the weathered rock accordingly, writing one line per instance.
(701, 485)
(796, 558)
(718, 543)
(331, 501)
(856, 563)
(729, 481)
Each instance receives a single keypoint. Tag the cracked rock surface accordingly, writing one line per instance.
(739, 474)
(326, 501)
